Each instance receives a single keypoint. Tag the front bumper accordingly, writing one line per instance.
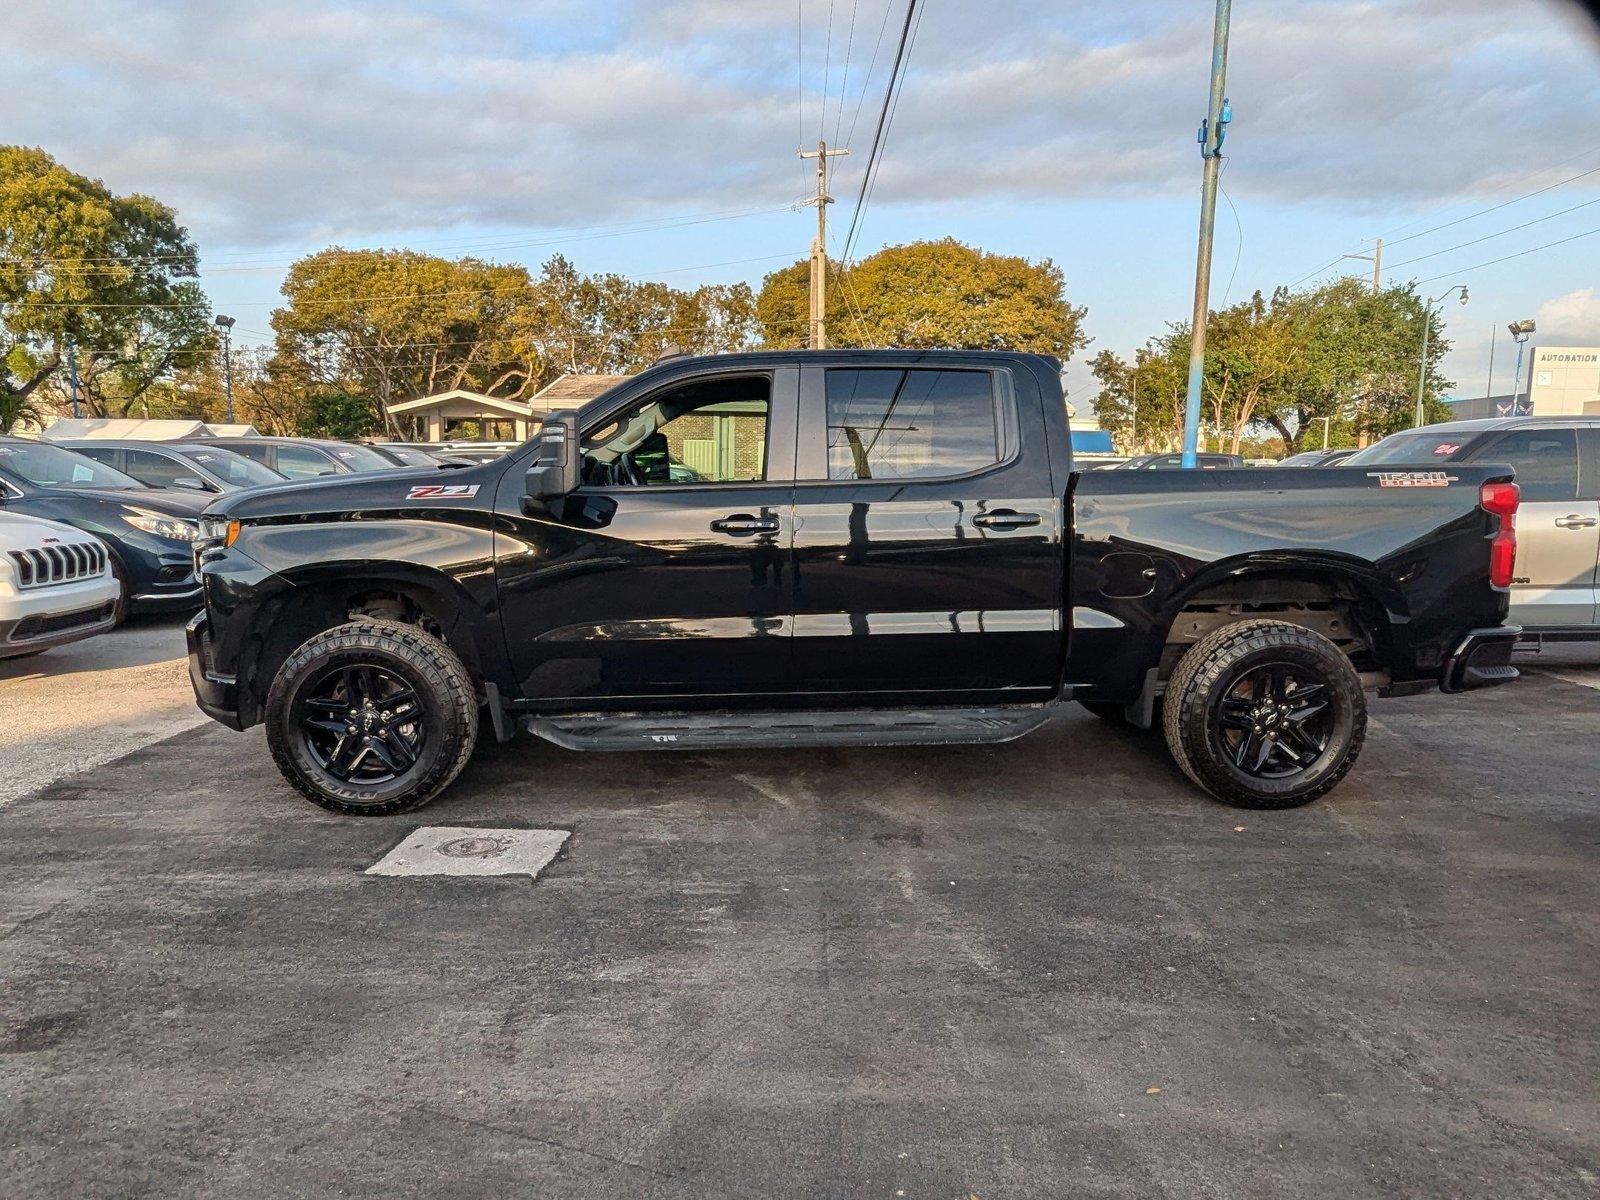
(36, 619)
(1483, 659)
(216, 694)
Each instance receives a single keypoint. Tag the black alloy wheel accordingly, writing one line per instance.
(362, 723)
(1265, 714)
(1276, 721)
(371, 717)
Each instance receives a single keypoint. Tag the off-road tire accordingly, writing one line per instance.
(449, 707)
(1203, 679)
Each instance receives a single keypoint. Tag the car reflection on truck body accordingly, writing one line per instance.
(876, 547)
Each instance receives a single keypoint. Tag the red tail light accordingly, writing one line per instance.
(1502, 499)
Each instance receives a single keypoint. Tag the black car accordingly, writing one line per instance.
(1317, 458)
(1168, 462)
(876, 547)
(151, 531)
(197, 468)
(304, 458)
(414, 456)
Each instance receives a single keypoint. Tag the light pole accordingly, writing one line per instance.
(1212, 131)
(226, 325)
(1520, 331)
(1427, 320)
(1325, 422)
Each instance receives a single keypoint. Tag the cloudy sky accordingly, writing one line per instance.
(658, 139)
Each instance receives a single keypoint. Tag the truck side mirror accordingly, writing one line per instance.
(554, 472)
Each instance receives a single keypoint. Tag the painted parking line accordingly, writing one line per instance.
(468, 850)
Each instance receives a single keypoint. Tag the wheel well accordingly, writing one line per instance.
(306, 611)
(1335, 606)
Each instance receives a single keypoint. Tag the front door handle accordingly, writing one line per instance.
(1005, 518)
(742, 524)
(1574, 521)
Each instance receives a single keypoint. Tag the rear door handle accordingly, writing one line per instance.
(1005, 518)
(741, 524)
(1576, 522)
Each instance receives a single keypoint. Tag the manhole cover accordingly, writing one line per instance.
(475, 847)
(453, 850)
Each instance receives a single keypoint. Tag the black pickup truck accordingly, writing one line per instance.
(840, 548)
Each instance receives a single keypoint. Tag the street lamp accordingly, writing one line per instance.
(1520, 330)
(1427, 320)
(226, 325)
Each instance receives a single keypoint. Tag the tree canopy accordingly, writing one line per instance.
(1340, 351)
(941, 294)
(112, 275)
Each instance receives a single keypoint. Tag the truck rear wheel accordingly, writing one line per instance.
(371, 718)
(1264, 714)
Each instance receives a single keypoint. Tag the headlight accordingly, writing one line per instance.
(162, 526)
(219, 529)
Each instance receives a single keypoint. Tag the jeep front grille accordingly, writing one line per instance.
(50, 565)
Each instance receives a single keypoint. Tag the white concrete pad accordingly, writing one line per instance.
(464, 850)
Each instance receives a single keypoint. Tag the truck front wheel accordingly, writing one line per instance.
(371, 718)
(1264, 714)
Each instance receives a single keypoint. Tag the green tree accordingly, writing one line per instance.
(1359, 365)
(395, 325)
(113, 274)
(930, 294)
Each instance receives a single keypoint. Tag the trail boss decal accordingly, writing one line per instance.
(1412, 478)
(442, 491)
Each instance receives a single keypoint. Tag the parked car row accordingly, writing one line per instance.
(94, 529)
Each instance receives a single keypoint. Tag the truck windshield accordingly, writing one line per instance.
(1411, 448)
(45, 465)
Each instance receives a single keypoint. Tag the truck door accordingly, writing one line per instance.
(927, 535)
(1558, 527)
(667, 574)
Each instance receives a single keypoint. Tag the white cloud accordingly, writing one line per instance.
(1574, 317)
(296, 119)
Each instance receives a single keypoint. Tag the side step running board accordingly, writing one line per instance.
(831, 727)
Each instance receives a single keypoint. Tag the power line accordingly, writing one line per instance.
(844, 81)
(1497, 207)
(1471, 216)
(827, 64)
(894, 109)
(866, 82)
(883, 119)
(1508, 257)
(1501, 233)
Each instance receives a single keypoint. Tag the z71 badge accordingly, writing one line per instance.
(441, 491)
(1412, 478)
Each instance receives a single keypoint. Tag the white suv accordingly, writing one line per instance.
(56, 585)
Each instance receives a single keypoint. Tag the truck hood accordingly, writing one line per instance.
(375, 491)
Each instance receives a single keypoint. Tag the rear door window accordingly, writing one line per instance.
(910, 424)
(1546, 461)
(304, 462)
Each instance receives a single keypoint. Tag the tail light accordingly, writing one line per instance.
(1502, 499)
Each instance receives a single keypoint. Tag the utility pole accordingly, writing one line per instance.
(226, 325)
(1376, 259)
(1427, 322)
(1488, 387)
(72, 374)
(818, 338)
(1212, 132)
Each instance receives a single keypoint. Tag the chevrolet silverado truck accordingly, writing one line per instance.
(839, 548)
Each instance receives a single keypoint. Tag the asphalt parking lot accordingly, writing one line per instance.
(1050, 969)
